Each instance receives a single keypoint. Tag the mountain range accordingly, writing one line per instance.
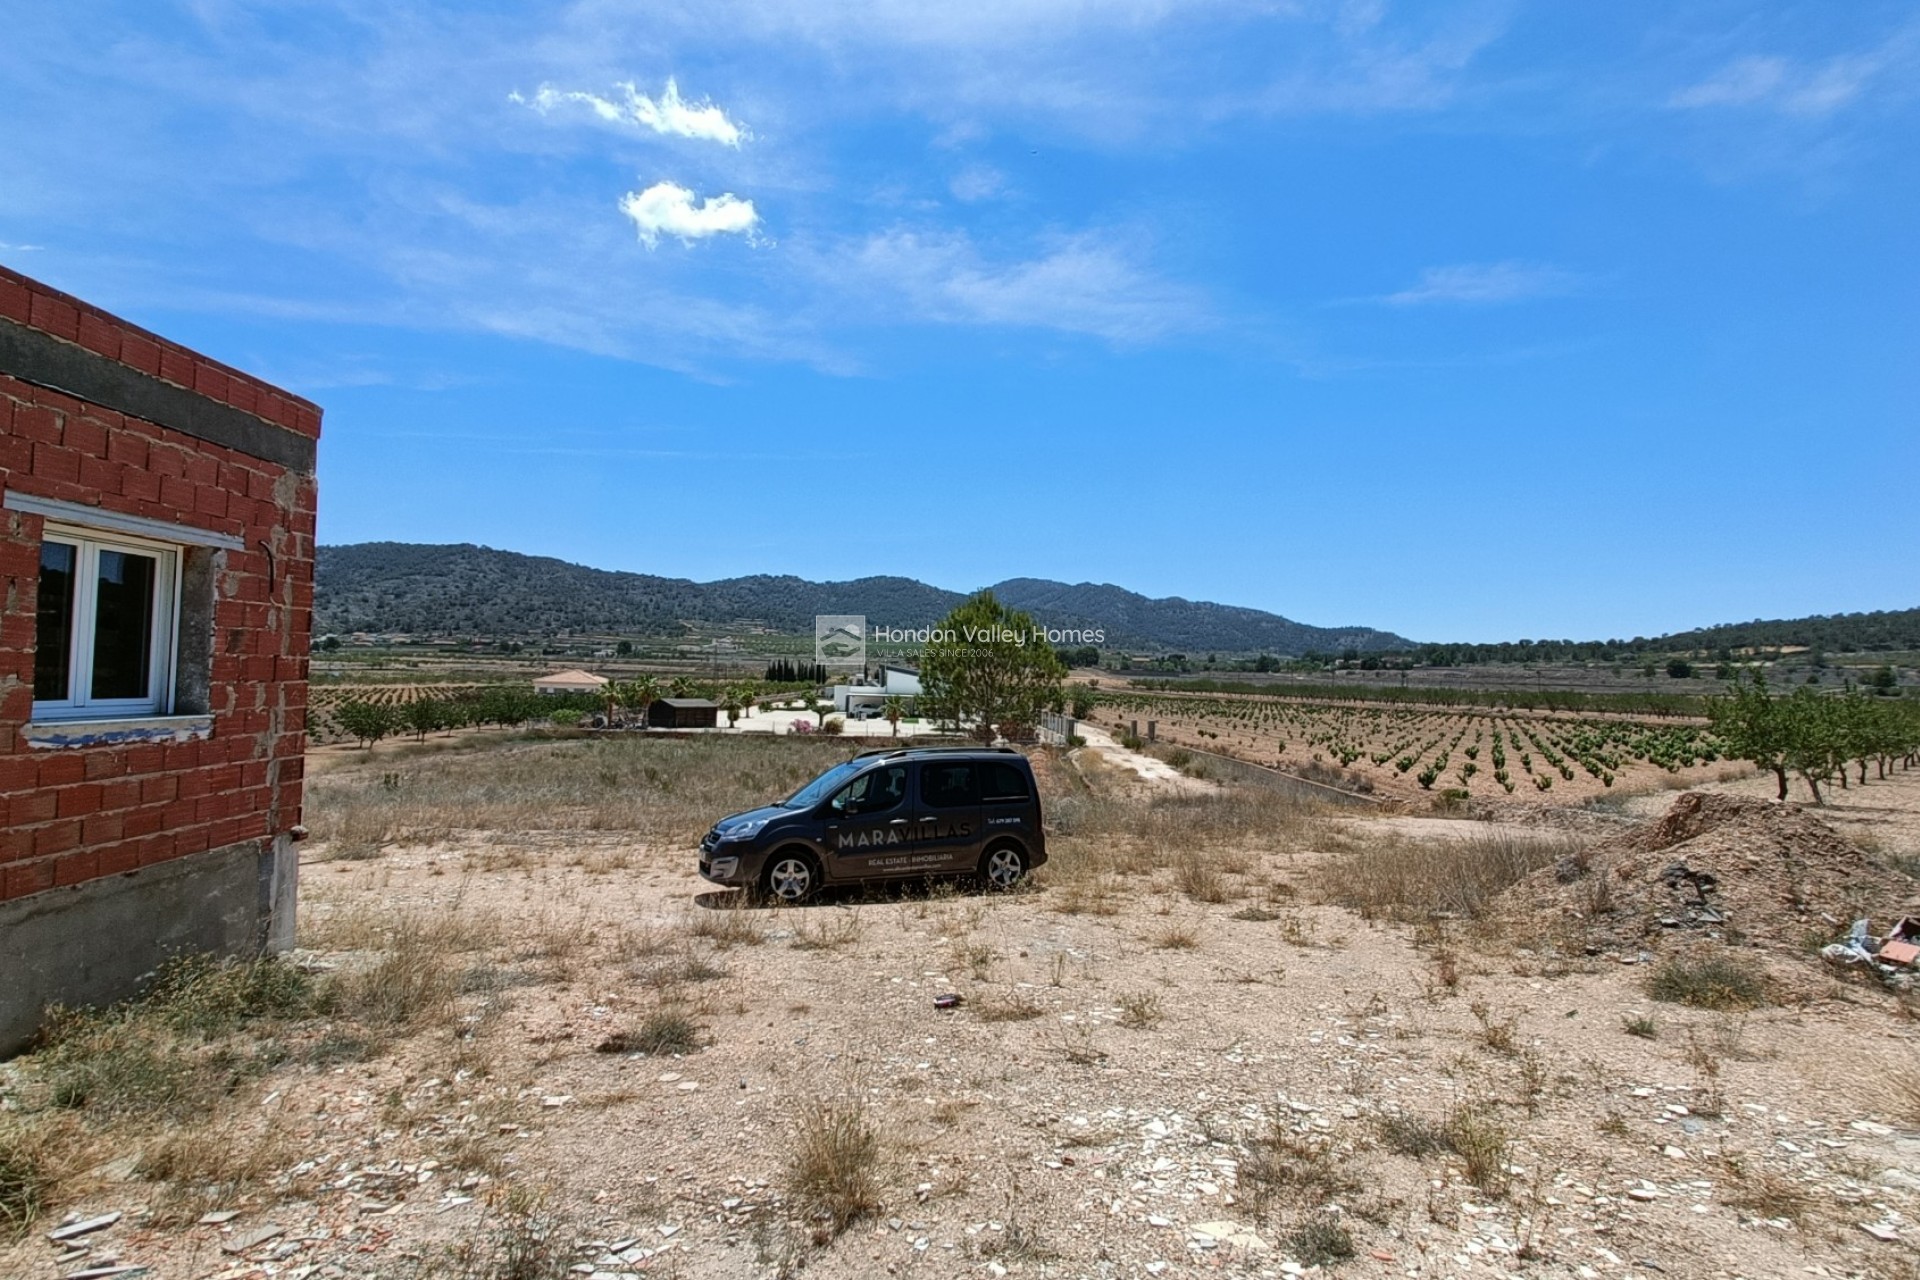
(471, 591)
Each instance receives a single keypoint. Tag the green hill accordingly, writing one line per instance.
(465, 590)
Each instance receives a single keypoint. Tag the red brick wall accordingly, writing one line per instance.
(73, 814)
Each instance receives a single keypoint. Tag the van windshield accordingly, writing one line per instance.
(821, 787)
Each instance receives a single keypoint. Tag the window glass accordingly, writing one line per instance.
(946, 785)
(1002, 782)
(53, 631)
(123, 625)
(814, 792)
(875, 792)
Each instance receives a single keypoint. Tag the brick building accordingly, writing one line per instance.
(156, 588)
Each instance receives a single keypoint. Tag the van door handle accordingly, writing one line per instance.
(897, 822)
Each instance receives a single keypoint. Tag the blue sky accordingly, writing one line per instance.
(1469, 321)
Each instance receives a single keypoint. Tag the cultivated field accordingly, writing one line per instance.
(1221, 1033)
(1420, 753)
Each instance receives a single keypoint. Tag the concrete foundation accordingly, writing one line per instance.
(103, 940)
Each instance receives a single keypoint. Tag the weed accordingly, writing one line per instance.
(1177, 935)
(1256, 913)
(1199, 878)
(1761, 1192)
(1482, 1145)
(1140, 1010)
(1704, 1058)
(1320, 1241)
(1410, 1135)
(1533, 1079)
(521, 1242)
(1496, 1034)
(834, 1164)
(1640, 1025)
(26, 1178)
(1015, 1006)
(1076, 1044)
(1280, 1162)
(827, 931)
(412, 985)
(728, 927)
(208, 1167)
(664, 1031)
(1714, 982)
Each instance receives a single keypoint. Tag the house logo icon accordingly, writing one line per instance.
(840, 639)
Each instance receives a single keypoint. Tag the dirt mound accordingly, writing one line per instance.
(1714, 866)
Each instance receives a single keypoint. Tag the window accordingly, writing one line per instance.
(875, 792)
(103, 636)
(1002, 782)
(945, 786)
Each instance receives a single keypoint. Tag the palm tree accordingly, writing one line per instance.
(639, 694)
(682, 687)
(894, 710)
(738, 698)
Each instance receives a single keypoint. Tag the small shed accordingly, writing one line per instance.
(682, 713)
(569, 682)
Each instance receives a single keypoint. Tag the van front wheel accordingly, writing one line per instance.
(791, 877)
(1003, 867)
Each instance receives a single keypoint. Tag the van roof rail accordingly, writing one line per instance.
(901, 751)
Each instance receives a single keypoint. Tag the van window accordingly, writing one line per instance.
(874, 792)
(1002, 782)
(945, 786)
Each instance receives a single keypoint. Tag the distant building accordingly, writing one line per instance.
(892, 682)
(156, 592)
(682, 713)
(570, 682)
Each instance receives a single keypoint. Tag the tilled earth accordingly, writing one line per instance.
(1177, 1088)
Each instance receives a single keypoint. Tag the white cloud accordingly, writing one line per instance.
(670, 113)
(1483, 282)
(1799, 88)
(667, 208)
(977, 182)
(1085, 284)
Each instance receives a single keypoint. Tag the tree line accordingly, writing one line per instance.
(1818, 736)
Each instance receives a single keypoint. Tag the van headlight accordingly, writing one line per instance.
(745, 829)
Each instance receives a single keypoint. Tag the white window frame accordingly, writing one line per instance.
(80, 705)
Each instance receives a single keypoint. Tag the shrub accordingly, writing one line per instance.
(1715, 982)
(664, 1031)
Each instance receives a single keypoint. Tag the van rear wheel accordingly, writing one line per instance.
(791, 877)
(1003, 867)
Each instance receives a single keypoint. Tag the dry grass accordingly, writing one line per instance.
(730, 926)
(1763, 1193)
(1708, 982)
(1483, 1145)
(1497, 1034)
(1402, 879)
(1176, 935)
(663, 1032)
(1013, 1006)
(1199, 878)
(1281, 1164)
(206, 1167)
(827, 931)
(659, 791)
(833, 1166)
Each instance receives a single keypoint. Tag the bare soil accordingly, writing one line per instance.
(1137, 1081)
